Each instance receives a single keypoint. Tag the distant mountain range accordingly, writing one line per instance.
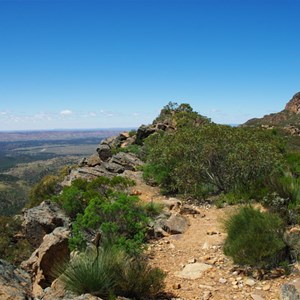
(12, 136)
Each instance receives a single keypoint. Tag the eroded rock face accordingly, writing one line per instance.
(15, 284)
(41, 220)
(53, 251)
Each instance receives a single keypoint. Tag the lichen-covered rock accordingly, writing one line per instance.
(290, 291)
(41, 220)
(292, 239)
(15, 284)
(53, 251)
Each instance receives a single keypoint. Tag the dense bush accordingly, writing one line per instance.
(110, 273)
(254, 238)
(120, 218)
(103, 206)
(212, 159)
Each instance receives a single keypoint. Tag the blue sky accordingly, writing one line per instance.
(98, 64)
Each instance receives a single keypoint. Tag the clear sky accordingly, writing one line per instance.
(98, 64)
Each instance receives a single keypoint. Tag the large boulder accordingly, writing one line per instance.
(104, 152)
(41, 220)
(176, 224)
(291, 290)
(15, 284)
(52, 252)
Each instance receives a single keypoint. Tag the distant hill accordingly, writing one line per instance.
(35, 135)
(289, 117)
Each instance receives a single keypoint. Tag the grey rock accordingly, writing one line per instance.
(292, 239)
(193, 271)
(176, 224)
(41, 220)
(104, 152)
(14, 282)
(291, 290)
(113, 167)
(127, 160)
(93, 160)
(172, 203)
(143, 132)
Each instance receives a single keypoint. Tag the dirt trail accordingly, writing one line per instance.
(202, 243)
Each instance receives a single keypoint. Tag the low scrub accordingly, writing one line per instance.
(210, 159)
(109, 273)
(254, 238)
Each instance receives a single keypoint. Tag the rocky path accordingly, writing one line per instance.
(195, 264)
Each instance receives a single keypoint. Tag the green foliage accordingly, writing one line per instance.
(132, 133)
(112, 273)
(181, 115)
(43, 190)
(13, 245)
(153, 209)
(135, 149)
(75, 198)
(254, 238)
(212, 158)
(293, 161)
(120, 219)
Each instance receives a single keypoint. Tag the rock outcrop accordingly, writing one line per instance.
(294, 104)
(41, 220)
(41, 265)
(288, 118)
(15, 284)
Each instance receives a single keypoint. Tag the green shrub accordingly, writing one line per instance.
(132, 133)
(121, 219)
(112, 273)
(153, 209)
(254, 238)
(43, 190)
(75, 198)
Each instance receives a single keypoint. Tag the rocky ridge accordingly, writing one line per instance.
(186, 242)
(288, 118)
